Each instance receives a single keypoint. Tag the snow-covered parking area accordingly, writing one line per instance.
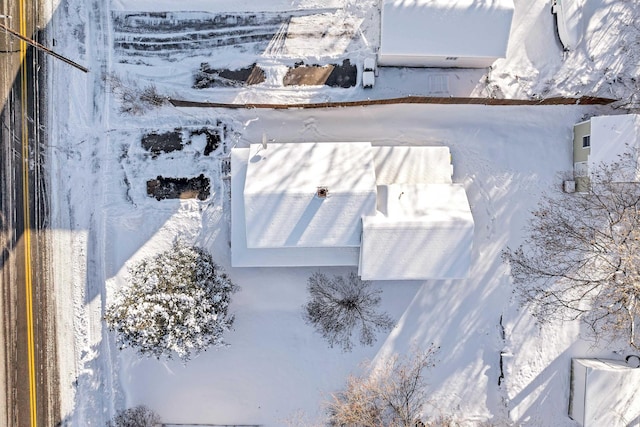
(277, 371)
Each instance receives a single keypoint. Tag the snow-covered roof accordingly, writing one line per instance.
(242, 256)
(612, 136)
(412, 165)
(282, 207)
(391, 210)
(568, 22)
(604, 393)
(424, 231)
(432, 28)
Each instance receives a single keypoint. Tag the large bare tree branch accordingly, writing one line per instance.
(581, 258)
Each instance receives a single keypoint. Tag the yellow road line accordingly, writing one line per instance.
(26, 213)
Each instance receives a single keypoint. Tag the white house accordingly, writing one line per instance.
(604, 139)
(444, 33)
(604, 393)
(350, 204)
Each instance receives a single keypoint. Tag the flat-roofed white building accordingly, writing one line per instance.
(244, 256)
(444, 33)
(305, 204)
(604, 393)
(397, 164)
(604, 140)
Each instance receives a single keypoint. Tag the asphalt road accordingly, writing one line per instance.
(28, 362)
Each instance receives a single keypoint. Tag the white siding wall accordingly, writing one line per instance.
(578, 391)
(388, 60)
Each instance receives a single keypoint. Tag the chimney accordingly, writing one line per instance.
(322, 192)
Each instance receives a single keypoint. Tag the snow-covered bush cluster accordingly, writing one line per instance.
(176, 303)
(139, 416)
(133, 99)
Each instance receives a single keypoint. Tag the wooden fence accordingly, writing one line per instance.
(583, 100)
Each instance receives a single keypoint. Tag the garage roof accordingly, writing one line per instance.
(613, 136)
(434, 27)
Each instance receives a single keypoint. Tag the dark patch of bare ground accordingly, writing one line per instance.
(166, 142)
(334, 75)
(179, 188)
(213, 139)
(211, 77)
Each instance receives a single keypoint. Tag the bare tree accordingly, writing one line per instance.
(391, 395)
(581, 259)
(339, 306)
(139, 416)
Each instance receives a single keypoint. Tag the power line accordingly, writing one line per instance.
(43, 48)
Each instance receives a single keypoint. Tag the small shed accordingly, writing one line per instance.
(604, 393)
(604, 139)
(427, 33)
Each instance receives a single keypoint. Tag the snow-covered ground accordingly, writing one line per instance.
(276, 367)
(605, 61)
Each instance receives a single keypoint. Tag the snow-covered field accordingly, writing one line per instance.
(276, 367)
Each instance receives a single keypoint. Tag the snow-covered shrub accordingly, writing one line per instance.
(392, 393)
(176, 303)
(139, 416)
(133, 99)
(339, 306)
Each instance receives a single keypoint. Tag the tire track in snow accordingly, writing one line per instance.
(189, 34)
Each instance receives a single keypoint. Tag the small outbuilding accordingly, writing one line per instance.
(605, 139)
(444, 33)
(604, 393)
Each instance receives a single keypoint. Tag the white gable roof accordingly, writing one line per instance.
(604, 393)
(419, 230)
(280, 194)
(445, 28)
(611, 137)
(412, 165)
(425, 232)
(241, 256)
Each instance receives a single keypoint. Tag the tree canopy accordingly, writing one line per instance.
(175, 303)
(393, 393)
(581, 258)
(338, 307)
